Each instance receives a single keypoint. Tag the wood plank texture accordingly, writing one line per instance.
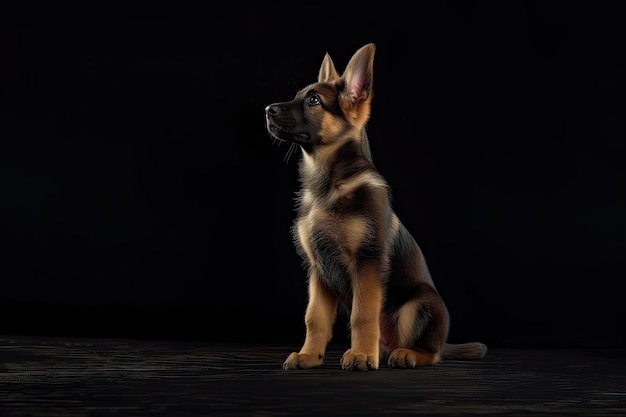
(41, 376)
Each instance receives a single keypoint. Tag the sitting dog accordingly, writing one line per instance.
(358, 255)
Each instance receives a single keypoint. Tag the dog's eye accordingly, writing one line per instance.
(314, 100)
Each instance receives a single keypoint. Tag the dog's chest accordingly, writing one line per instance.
(331, 237)
(326, 231)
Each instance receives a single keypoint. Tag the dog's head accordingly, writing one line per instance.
(330, 111)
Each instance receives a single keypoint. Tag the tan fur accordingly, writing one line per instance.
(406, 323)
(364, 321)
(319, 319)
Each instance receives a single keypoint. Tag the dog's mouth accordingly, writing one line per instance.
(286, 135)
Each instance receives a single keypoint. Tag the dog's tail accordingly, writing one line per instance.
(464, 351)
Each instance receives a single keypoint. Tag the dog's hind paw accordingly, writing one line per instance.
(302, 361)
(409, 358)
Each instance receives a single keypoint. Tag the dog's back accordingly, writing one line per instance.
(357, 252)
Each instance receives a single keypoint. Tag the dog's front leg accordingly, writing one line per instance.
(319, 319)
(364, 322)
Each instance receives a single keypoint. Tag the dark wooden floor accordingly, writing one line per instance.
(106, 377)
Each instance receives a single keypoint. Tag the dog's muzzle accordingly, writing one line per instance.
(272, 110)
(281, 125)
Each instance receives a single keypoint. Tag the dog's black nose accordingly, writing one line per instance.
(272, 110)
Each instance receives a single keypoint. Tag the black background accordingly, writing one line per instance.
(140, 195)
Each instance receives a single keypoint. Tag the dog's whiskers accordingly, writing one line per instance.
(292, 148)
(290, 151)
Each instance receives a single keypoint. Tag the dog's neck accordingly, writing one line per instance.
(334, 163)
(320, 156)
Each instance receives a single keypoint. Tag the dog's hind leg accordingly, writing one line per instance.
(319, 320)
(421, 329)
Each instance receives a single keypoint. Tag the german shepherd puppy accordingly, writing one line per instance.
(358, 254)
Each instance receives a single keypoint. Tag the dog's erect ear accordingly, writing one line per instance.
(327, 70)
(359, 74)
(355, 98)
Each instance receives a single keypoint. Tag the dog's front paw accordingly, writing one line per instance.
(302, 361)
(359, 361)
